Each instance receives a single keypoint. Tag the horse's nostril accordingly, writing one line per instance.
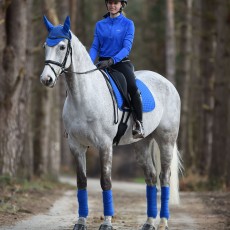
(49, 79)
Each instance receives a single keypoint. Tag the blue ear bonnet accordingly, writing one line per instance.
(57, 33)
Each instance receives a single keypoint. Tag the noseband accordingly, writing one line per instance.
(62, 65)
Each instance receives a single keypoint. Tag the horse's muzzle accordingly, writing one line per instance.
(47, 81)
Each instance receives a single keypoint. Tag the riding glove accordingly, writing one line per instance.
(105, 64)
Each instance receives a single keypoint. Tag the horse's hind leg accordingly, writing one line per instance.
(166, 140)
(143, 150)
(78, 152)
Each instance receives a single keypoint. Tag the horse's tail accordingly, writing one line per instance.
(176, 167)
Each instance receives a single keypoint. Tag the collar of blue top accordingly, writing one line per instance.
(57, 33)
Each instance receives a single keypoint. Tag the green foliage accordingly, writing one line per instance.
(139, 180)
(195, 182)
(15, 191)
(5, 180)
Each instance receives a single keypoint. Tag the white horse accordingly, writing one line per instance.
(88, 117)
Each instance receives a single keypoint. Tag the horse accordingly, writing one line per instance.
(88, 118)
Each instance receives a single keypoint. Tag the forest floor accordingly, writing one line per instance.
(55, 208)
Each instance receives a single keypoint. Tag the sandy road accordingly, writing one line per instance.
(130, 209)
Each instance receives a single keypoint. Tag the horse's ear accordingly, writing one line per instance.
(66, 26)
(48, 24)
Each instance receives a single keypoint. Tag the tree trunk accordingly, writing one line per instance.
(66, 158)
(81, 20)
(170, 42)
(45, 102)
(55, 111)
(186, 113)
(207, 75)
(3, 8)
(27, 158)
(14, 89)
(219, 164)
(228, 135)
(196, 114)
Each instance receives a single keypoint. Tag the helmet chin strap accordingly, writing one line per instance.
(118, 12)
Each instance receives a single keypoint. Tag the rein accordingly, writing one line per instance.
(64, 70)
(89, 71)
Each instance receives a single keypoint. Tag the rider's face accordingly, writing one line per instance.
(114, 6)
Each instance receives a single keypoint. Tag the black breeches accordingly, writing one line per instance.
(126, 68)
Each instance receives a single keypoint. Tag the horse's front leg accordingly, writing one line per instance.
(79, 154)
(106, 185)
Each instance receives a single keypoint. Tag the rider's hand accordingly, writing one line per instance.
(105, 64)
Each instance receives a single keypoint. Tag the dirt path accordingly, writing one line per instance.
(130, 208)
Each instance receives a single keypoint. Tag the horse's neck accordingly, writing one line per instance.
(81, 59)
(80, 85)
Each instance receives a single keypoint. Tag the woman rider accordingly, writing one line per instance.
(113, 39)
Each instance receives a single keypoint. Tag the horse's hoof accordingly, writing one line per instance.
(79, 227)
(163, 228)
(148, 227)
(163, 225)
(106, 227)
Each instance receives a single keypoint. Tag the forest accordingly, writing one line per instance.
(186, 41)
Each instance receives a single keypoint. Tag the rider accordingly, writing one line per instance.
(113, 39)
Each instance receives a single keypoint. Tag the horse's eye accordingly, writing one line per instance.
(62, 47)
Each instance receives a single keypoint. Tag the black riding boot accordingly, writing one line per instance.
(138, 130)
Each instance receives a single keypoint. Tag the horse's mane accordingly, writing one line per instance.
(80, 52)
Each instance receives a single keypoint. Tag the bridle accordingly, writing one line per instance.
(64, 70)
(62, 65)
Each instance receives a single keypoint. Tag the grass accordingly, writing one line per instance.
(16, 193)
(193, 182)
(139, 180)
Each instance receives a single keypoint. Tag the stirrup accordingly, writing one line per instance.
(138, 132)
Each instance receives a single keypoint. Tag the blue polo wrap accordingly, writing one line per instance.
(165, 192)
(151, 196)
(82, 196)
(108, 202)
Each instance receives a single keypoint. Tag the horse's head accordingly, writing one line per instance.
(57, 52)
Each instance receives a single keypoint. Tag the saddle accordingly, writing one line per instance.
(119, 86)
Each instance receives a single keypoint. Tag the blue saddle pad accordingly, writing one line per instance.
(148, 102)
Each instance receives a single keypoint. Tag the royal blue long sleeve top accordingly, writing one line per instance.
(113, 37)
